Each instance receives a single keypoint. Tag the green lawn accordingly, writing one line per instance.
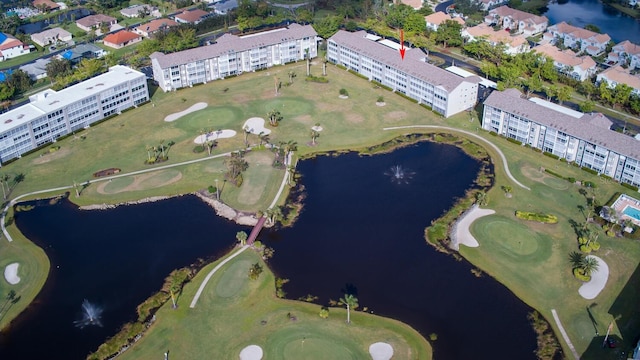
(530, 259)
(234, 312)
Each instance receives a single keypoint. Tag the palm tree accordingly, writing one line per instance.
(292, 74)
(289, 147)
(149, 148)
(589, 265)
(314, 135)
(210, 145)
(264, 138)
(241, 236)
(351, 302)
(576, 259)
(4, 180)
(247, 131)
(274, 117)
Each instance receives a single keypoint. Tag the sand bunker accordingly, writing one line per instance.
(255, 125)
(178, 115)
(220, 134)
(251, 352)
(381, 351)
(592, 288)
(11, 273)
(317, 128)
(461, 233)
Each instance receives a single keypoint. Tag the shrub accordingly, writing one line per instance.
(629, 186)
(595, 246)
(317, 79)
(212, 189)
(550, 172)
(571, 180)
(553, 156)
(589, 184)
(344, 92)
(380, 99)
(591, 171)
(585, 248)
(514, 141)
(583, 240)
(358, 74)
(580, 275)
(539, 217)
(324, 312)
(407, 97)
(198, 149)
(493, 133)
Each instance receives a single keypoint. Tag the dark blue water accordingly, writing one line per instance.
(38, 26)
(360, 230)
(357, 227)
(115, 259)
(582, 12)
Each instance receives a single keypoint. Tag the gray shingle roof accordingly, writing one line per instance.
(589, 127)
(413, 64)
(228, 43)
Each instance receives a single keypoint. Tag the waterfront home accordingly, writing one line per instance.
(10, 47)
(568, 63)
(514, 44)
(46, 5)
(436, 19)
(517, 21)
(618, 75)
(121, 39)
(51, 114)
(415, 4)
(577, 38)
(135, 11)
(489, 4)
(625, 53)
(379, 60)
(95, 22)
(154, 26)
(584, 139)
(194, 16)
(233, 55)
(51, 36)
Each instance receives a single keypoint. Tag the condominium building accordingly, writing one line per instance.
(379, 60)
(233, 55)
(51, 114)
(585, 139)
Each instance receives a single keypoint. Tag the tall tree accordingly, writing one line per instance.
(564, 94)
(621, 94)
(448, 33)
(351, 302)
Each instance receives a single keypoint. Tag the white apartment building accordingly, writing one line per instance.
(517, 21)
(574, 37)
(567, 63)
(627, 53)
(585, 139)
(51, 114)
(233, 55)
(618, 75)
(379, 60)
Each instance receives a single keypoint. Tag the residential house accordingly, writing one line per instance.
(514, 44)
(618, 75)
(415, 4)
(46, 5)
(10, 47)
(584, 139)
(517, 21)
(121, 39)
(51, 114)
(233, 55)
(94, 22)
(37, 69)
(223, 7)
(568, 63)
(83, 51)
(51, 36)
(627, 53)
(436, 19)
(154, 26)
(379, 60)
(134, 11)
(194, 16)
(577, 38)
(485, 5)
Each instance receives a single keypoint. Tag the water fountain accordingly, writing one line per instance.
(399, 175)
(90, 315)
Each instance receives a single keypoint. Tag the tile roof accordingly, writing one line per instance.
(93, 20)
(580, 33)
(517, 15)
(121, 37)
(621, 76)
(500, 36)
(50, 4)
(416, 4)
(10, 42)
(229, 43)
(628, 47)
(439, 17)
(154, 25)
(414, 63)
(192, 15)
(134, 10)
(566, 57)
(511, 101)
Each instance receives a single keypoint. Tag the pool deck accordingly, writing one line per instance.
(622, 202)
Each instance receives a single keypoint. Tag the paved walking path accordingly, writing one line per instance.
(213, 271)
(564, 335)
(494, 147)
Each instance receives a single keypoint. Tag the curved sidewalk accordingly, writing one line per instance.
(493, 146)
(213, 271)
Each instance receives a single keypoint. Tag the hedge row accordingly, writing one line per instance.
(539, 217)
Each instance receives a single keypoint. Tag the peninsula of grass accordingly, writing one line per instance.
(234, 312)
(529, 258)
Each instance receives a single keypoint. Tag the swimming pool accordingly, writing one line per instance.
(632, 212)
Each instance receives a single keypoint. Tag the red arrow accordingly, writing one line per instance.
(402, 49)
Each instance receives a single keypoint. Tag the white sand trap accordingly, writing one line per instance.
(11, 273)
(222, 134)
(192, 108)
(592, 288)
(462, 235)
(251, 352)
(255, 125)
(317, 128)
(380, 351)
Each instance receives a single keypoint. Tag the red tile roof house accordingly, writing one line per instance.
(519, 21)
(574, 37)
(153, 26)
(11, 47)
(93, 22)
(192, 16)
(45, 4)
(121, 39)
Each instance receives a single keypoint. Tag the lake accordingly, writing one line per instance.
(582, 12)
(362, 229)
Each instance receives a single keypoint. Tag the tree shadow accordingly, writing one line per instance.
(600, 349)
(350, 288)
